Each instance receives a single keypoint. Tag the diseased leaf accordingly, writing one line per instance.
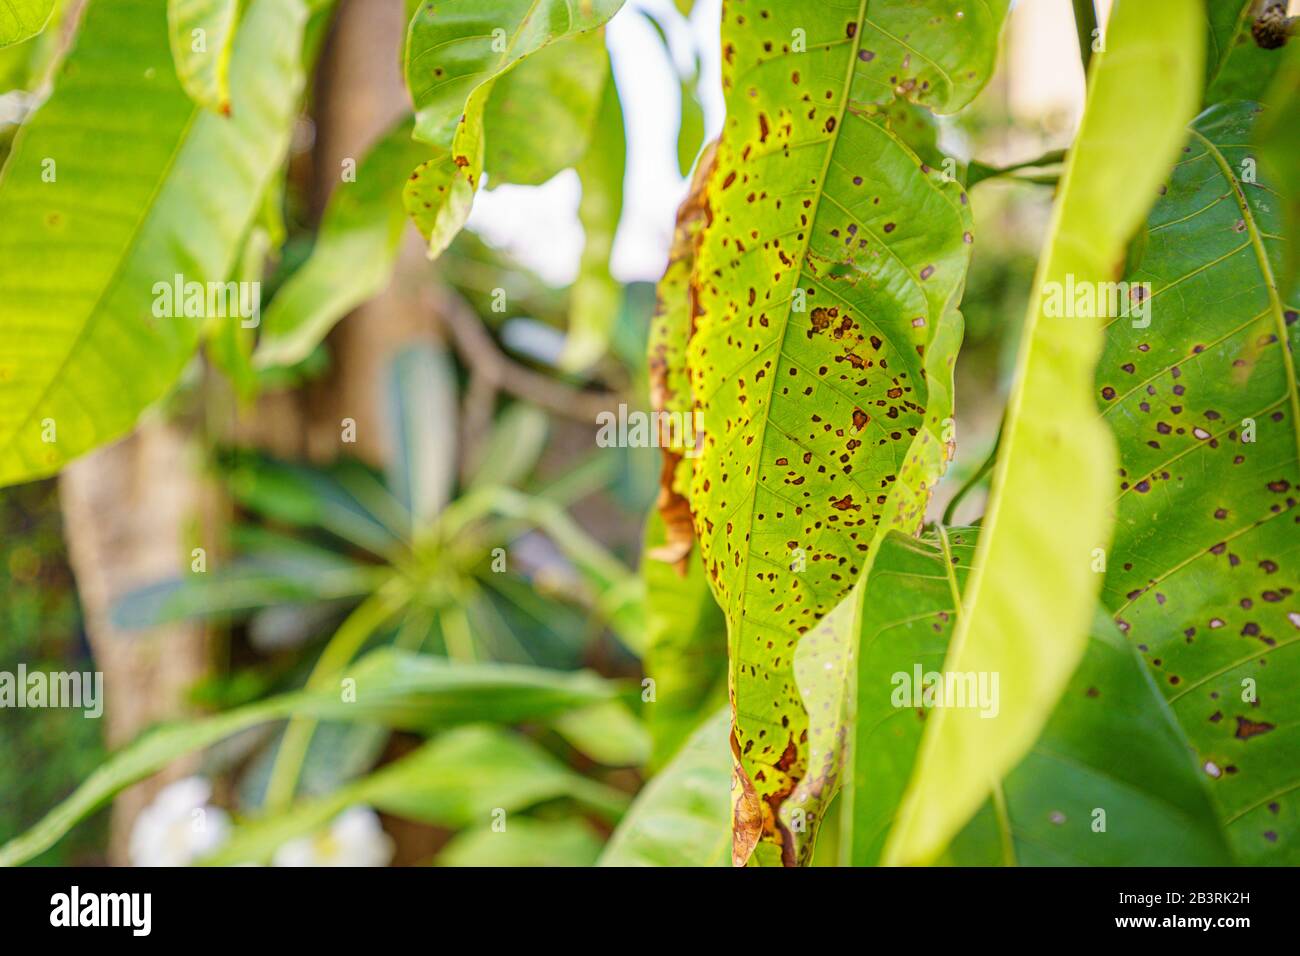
(201, 34)
(1110, 745)
(681, 817)
(690, 126)
(454, 55)
(354, 254)
(824, 333)
(1277, 137)
(21, 19)
(100, 211)
(1032, 591)
(1204, 566)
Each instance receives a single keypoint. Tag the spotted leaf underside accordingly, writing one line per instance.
(1110, 780)
(1203, 572)
(825, 328)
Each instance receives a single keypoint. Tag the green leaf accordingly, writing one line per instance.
(20, 19)
(1277, 137)
(354, 255)
(25, 64)
(1032, 591)
(597, 296)
(314, 498)
(681, 817)
(690, 126)
(607, 733)
(524, 842)
(1236, 66)
(541, 115)
(146, 186)
(270, 569)
(454, 55)
(824, 335)
(1110, 745)
(1203, 401)
(686, 644)
(201, 34)
(456, 780)
(422, 416)
(395, 688)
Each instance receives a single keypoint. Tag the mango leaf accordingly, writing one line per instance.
(596, 296)
(690, 125)
(681, 817)
(454, 55)
(524, 842)
(201, 34)
(396, 688)
(824, 333)
(21, 19)
(541, 115)
(1237, 66)
(1111, 755)
(686, 644)
(123, 201)
(25, 64)
(1032, 591)
(456, 780)
(1203, 569)
(1277, 138)
(310, 497)
(354, 254)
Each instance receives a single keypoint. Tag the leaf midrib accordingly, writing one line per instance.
(1266, 269)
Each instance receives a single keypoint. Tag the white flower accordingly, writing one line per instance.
(179, 826)
(355, 838)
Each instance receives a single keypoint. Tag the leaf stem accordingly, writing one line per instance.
(1085, 24)
(975, 479)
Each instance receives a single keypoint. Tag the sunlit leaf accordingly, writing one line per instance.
(100, 205)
